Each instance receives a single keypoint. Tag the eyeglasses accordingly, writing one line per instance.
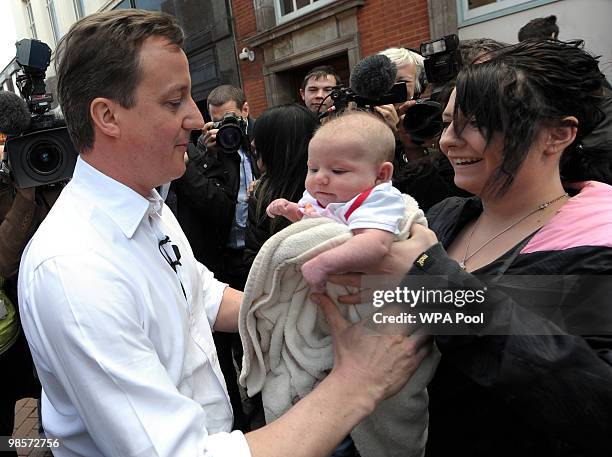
(174, 263)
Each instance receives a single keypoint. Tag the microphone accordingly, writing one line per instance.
(15, 117)
(327, 112)
(373, 77)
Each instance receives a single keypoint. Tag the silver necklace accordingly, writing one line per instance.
(467, 257)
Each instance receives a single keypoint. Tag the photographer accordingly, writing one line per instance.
(37, 159)
(215, 188)
(419, 169)
(21, 212)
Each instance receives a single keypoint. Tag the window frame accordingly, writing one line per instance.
(79, 8)
(281, 19)
(31, 21)
(55, 30)
(484, 13)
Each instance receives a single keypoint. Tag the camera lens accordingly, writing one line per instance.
(229, 137)
(423, 120)
(44, 158)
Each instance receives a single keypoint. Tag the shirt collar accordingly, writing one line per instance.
(123, 205)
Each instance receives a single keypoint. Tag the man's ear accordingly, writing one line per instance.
(302, 94)
(384, 173)
(104, 116)
(245, 109)
(561, 136)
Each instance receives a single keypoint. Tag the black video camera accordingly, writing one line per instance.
(342, 96)
(42, 154)
(442, 64)
(232, 134)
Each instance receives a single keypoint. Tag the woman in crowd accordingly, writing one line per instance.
(281, 136)
(529, 381)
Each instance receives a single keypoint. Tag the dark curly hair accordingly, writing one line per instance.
(524, 87)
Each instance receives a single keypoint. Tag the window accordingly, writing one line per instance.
(123, 5)
(31, 23)
(53, 20)
(474, 11)
(151, 5)
(290, 9)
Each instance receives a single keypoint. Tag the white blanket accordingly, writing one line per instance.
(287, 347)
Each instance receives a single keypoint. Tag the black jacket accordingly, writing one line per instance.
(428, 180)
(206, 201)
(505, 390)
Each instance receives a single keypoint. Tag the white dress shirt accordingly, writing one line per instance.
(126, 359)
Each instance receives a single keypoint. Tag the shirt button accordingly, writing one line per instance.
(205, 165)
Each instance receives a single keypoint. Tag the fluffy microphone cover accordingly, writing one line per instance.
(373, 77)
(14, 114)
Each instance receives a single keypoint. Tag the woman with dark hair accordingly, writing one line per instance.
(281, 136)
(535, 378)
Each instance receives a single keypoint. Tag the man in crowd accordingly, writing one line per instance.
(542, 28)
(316, 87)
(117, 311)
(215, 188)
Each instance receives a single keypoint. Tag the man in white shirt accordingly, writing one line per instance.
(117, 311)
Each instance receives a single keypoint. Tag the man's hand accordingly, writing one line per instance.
(210, 136)
(377, 364)
(285, 208)
(404, 107)
(389, 115)
(28, 194)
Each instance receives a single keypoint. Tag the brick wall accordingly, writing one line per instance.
(251, 72)
(392, 23)
(382, 24)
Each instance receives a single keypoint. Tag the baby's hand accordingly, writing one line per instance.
(285, 208)
(315, 275)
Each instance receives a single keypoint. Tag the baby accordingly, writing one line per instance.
(349, 172)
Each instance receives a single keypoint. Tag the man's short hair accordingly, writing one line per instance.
(100, 57)
(403, 56)
(220, 95)
(542, 28)
(475, 50)
(321, 72)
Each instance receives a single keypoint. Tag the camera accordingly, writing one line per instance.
(442, 64)
(42, 153)
(442, 59)
(342, 96)
(232, 134)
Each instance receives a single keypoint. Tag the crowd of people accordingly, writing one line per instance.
(130, 291)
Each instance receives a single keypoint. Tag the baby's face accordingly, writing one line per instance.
(339, 169)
